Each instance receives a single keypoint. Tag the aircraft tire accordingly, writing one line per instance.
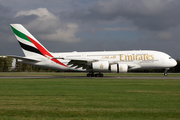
(88, 75)
(165, 74)
(92, 75)
(101, 75)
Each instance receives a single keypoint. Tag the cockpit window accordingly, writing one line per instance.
(170, 57)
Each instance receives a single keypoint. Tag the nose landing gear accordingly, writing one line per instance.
(165, 72)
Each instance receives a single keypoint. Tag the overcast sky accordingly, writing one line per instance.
(93, 25)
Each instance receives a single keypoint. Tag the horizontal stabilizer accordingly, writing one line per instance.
(24, 58)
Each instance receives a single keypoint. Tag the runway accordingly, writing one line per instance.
(84, 77)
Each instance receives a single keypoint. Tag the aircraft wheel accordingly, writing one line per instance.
(101, 75)
(165, 74)
(92, 75)
(88, 75)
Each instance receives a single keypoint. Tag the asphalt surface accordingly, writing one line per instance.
(81, 77)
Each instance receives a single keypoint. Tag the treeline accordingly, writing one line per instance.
(6, 65)
(21, 67)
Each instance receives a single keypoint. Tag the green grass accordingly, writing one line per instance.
(89, 99)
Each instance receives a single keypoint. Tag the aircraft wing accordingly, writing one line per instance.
(78, 64)
(77, 59)
(83, 63)
(24, 58)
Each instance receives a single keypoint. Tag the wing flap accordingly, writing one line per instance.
(77, 62)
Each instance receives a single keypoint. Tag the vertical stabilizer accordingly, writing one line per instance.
(29, 44)
(31, 47)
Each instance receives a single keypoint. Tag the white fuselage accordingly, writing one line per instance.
(142, 59)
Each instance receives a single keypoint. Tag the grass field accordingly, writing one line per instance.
(89, 99)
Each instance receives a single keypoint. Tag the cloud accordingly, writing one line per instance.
(99, 24)
(145, 14)
(49, 27)
(43, 13)
(121, 29)
(165, 35)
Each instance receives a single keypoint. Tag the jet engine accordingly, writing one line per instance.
(100, 66)
(119, 68)
(105, 66)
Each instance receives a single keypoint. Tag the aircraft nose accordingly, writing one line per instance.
(174, 63)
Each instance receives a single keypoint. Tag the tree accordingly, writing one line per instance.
(5, 64)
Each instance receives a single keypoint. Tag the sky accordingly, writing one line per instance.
(93, 25)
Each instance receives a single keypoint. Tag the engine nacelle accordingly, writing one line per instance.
(100, 66)
(119, 68)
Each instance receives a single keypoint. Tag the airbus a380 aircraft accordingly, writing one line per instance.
(92, 62)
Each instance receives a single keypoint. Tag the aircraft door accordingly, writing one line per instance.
(162, 61)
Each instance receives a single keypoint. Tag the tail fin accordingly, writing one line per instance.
(29, 44)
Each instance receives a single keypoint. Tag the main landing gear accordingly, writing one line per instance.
(165, 72)
(94, 75)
